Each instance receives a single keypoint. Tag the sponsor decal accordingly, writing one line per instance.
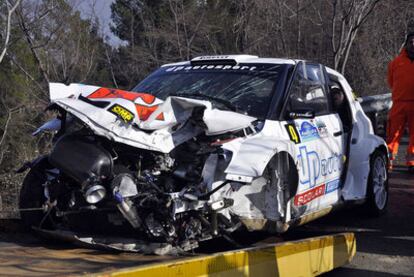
(211, 66)
(322, 129)
(312, 166)
(331, 164)
(122, 113)
(217, 57)
(293, 133)
(332, 186)
(143, 110)
(308, 131)
(307, 196)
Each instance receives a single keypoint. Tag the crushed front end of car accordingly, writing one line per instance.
(134, 172)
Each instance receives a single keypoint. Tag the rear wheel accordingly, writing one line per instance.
(377, 189)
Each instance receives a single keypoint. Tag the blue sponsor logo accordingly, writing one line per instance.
(323, 130)
(331, 164)
(308, 131)
(332, 186)
(312, 166)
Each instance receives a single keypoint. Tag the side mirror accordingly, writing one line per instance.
(308, 114)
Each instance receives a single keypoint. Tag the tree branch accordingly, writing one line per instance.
(10, 11)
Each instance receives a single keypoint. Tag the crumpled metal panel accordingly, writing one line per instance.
(160, 120)
(111, 243)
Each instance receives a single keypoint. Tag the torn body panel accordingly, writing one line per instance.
(252, 154)
(152, 131)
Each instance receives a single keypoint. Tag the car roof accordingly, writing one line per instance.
(235, 59)
(243, 59)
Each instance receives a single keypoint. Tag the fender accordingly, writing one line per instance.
(251, 156)
(363, 144)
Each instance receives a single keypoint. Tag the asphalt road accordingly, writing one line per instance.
(385, 245)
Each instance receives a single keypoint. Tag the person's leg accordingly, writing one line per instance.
(410, 148)
(395, 128)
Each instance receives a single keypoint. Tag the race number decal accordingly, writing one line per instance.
(293, 133)
(122, 113)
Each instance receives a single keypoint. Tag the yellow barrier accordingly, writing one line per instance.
(308, 257)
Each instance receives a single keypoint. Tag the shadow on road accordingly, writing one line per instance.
(385, 244)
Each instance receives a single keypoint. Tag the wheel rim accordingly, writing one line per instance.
(379, 179)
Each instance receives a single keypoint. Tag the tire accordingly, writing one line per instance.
(32, 196)
(377, 188)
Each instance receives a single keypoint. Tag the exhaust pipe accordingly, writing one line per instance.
(124, 186)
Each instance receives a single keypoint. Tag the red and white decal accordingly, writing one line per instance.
(307, 196)
(143, 110)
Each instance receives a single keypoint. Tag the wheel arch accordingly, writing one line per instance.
(383, 149)
(293, 175)
(355, 186)
(244, 162)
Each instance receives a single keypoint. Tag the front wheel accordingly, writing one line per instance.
(377, 188)
(32, 197)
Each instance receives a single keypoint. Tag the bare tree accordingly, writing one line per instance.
(347, 18)
(64, 46)
(5, 128)
(10, 8)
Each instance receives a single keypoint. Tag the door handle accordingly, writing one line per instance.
(337, 133)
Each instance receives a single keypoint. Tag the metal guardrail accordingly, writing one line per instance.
(376, 103)
(308, 257)
(376, 107)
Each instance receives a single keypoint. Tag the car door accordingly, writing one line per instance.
(317, 134)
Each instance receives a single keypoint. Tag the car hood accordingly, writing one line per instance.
(142, 120)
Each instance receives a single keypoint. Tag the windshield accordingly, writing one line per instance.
(246, 89)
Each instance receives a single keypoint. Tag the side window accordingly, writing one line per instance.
(308, 90)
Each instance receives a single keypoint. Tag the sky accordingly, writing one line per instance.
(102, 9)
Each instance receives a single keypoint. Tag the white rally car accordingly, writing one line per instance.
(200, 149)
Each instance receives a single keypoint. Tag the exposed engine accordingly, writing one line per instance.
(130, 164)
(160, 196)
